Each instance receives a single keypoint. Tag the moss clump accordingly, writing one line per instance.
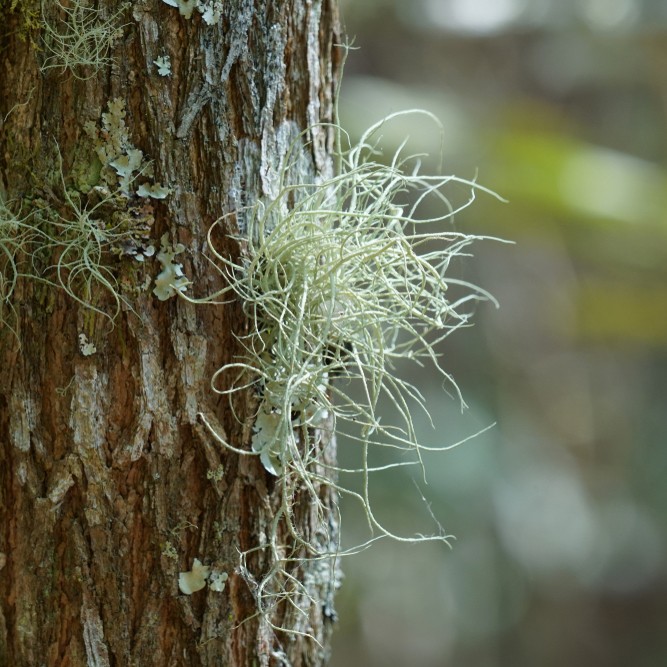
(28, 13)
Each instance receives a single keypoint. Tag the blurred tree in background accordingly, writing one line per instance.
(560, 509)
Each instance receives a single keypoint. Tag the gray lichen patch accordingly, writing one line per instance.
(210, 10)
(171, 279)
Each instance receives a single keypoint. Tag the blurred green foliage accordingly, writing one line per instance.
(560, 509)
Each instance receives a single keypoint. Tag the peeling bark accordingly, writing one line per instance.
(109, 484)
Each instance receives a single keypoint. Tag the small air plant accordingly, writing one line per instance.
(74, 238)
(343, 278)
(81, 236)
(82, 39)
(82, 244)
(17, 240)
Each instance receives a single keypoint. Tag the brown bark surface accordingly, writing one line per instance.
(109, 483)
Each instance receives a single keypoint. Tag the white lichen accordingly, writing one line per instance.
(126, 166)
(185, 7)
(169, 551)
(140, 254)
(194, 580)
(155, 191)
(122, 162)
(171, 279)
(217, 581)
(85, 346)
(121, 159)
(163, 64)
(211, 10)
(217, 474)
(266, 437)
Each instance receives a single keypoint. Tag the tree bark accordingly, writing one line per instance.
(109, 483)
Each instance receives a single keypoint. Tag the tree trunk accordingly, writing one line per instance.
(110, 484)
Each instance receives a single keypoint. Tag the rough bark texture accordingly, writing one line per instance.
(104, 492)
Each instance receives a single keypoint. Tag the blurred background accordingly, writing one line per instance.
(560, 510)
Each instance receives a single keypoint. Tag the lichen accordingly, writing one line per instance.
(217, 580)
(185, 7)
(171, 279)
(85, 346)
(194, 580)
(155, 191)
(83, 40)
(163, 64)
(121, 160)
(341, 277)
(211, 10)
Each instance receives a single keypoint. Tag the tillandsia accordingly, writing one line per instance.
(82, 40)
(17, 237)
(76, 236)
(343, 278)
